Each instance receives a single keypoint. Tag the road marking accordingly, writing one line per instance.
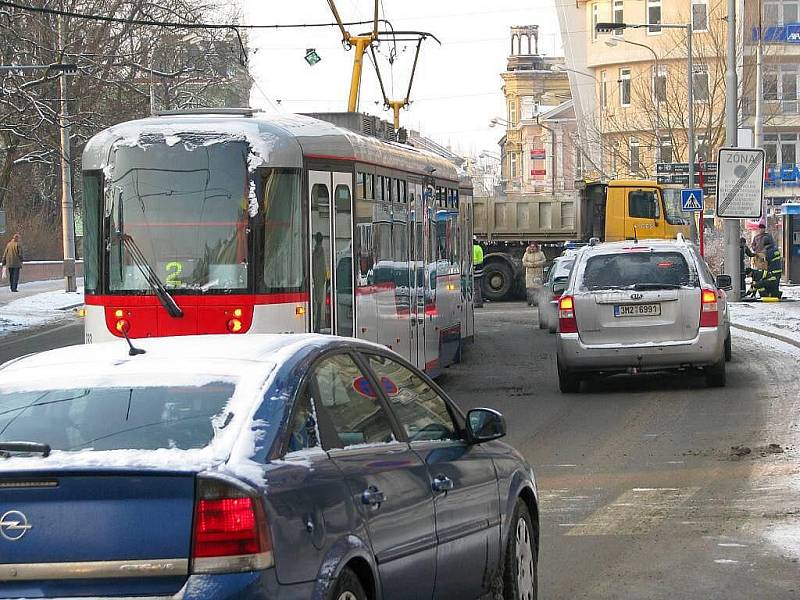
(635, 512)
(731, 545)
(726, 561)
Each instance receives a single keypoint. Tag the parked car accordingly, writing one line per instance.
(263, 466)
(550, 292)
(639, 306)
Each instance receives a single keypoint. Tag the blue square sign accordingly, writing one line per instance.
(691, 200)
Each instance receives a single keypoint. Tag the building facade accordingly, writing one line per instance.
(538, 150)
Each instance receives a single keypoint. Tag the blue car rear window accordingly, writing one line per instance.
(106, 418)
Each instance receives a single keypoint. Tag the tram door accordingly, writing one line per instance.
(331, 252)
(416, 315)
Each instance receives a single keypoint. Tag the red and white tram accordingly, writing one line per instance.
(228, 221)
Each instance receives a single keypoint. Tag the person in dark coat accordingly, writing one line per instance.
(12, 260)
(766, 272)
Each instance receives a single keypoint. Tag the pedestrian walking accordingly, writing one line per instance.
(12, 260)
(477, 263)
(763, 240)
(533, 260)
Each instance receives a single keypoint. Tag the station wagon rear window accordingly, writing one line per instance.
(116, 418)
(639, 269)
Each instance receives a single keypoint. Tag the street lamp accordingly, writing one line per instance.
(612, 27)
(613, 43)
(562, 68)
(498, 121)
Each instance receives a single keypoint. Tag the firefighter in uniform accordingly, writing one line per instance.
(477, 261)
(766, 275)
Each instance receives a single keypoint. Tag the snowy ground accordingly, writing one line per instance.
(779, 318)
(36, 304)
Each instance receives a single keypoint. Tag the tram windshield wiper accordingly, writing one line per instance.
(152, 278)
(9, 448)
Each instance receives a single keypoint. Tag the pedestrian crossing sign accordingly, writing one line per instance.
(692, 200)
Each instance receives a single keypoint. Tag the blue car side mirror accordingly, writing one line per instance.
(484, 425)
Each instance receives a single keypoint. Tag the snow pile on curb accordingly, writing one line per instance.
(37, 310)
(779, 318)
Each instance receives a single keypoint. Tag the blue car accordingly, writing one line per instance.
(257, 468)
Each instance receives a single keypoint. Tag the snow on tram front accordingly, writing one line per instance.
(228, 222)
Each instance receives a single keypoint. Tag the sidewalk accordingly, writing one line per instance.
(37, 303)
(779, 320)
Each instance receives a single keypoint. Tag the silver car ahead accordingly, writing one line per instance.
(651, 305)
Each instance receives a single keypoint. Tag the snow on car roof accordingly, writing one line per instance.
(249, 361)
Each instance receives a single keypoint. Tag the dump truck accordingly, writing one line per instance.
(610, 211)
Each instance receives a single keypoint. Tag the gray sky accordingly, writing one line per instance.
(457, 86)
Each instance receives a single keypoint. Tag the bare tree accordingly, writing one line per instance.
(124, 70)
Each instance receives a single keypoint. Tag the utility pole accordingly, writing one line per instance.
(733, 260)
(690, 101)
(67, 205)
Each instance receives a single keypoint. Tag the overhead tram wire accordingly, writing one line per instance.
(184, 25)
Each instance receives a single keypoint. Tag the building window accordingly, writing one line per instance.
(618, 16)
(780, 83)
(665, 150)
(771, 149)
(700, 15)
(700, 83)
(625, 87)
(788, 149)
(578, 161)
(660, 83)
(595, 19)
(780, 12)
(701, 148)
(528, 108)
(513, 159)
(633, 156)
(653, 16)
(603, 90)
(512, 112)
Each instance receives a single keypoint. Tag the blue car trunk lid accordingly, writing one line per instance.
(84, 533)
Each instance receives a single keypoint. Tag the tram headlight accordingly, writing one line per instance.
(299, 312)
(119, 313)
(235, 326)
(122, 325)
(237, 312)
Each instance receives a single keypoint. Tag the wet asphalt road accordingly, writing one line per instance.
(641, 495)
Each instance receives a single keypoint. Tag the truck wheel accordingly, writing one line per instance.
(498, 280)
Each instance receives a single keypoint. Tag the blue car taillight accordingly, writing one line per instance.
(231, 533)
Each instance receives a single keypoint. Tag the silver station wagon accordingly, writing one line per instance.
(650, 305)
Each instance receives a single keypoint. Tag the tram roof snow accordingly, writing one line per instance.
(280, 140)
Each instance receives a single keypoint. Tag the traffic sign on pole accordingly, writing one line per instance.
(740, 183)
(692, 200)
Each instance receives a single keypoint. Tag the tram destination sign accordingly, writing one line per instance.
(740, 183)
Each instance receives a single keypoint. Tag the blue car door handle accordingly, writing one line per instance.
(441, 483)
(372, 496)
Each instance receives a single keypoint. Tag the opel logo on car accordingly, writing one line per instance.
(637, 296)
(13, 525)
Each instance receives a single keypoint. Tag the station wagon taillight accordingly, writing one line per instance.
(709, 309)
(231, 534)
(566, 315)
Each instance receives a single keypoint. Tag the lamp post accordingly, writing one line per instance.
(610, 27)
(613, 43)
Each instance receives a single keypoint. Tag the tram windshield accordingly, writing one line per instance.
(185, 206)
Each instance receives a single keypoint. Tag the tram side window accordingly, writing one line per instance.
(361, 185)
(92, 208)
(370, 187)
(283, 246)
